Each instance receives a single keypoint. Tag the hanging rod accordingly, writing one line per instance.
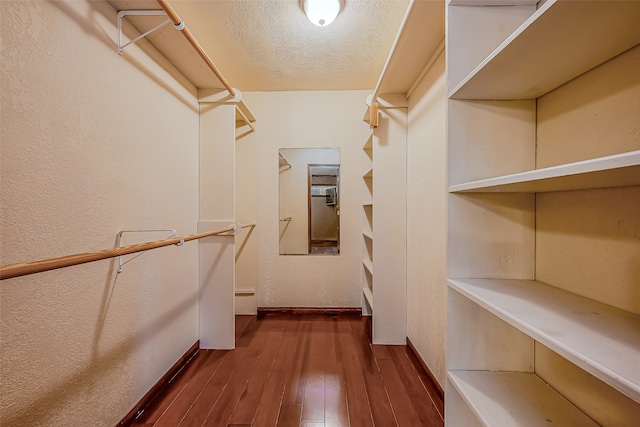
(23, 269)
(179, 24)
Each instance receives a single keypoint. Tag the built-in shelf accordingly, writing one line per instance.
(243, 115)
(515, 399)
(177, 50)
(368, 264)
(368, 234)
(171, 43)
(559, 42)
(368, 146)
(368, 296)
(601, 339)
(612, 171)
(368, 174)
(408, 60)
(492, 2)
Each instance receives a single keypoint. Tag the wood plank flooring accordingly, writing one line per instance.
(299, 370)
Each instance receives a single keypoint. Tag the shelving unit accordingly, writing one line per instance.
(384, 176)
(382, 217)
(367, 228)
(540, 295)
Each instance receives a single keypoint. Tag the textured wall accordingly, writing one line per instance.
(91, 143)
(308, 120)
(426, 219)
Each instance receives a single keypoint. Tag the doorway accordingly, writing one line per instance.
(324, 209)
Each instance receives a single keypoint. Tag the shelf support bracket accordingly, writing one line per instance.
(119, 243)
(124, 13)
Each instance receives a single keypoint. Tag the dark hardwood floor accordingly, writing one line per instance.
(299, 370)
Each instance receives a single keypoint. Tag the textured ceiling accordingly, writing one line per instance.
(269, 45)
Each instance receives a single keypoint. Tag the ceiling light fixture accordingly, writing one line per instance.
(321, 12)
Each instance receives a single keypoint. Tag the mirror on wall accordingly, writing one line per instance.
(309, 201)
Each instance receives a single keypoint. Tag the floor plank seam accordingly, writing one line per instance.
(418, 374)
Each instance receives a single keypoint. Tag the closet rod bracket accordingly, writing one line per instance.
(119, 243)
(124, 13)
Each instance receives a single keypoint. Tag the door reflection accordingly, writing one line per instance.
(309, 201)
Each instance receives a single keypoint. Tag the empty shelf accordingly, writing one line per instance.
(601, 339)
(515, 399)
(611, 171)
(560, 41)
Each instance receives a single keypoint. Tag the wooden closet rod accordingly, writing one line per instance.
(23, 269)
(177, 22)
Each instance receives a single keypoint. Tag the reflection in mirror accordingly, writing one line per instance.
(309, 201)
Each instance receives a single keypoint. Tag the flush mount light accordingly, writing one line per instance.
(321, 12)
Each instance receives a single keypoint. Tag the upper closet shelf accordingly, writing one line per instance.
(560, 41)
(419, 39)
(173, 45)
(492, 2)
(601, 339)
(244, 116)
(170, 43)
(612, 171)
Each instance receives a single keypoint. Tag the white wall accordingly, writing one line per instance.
(308, 120)
(426, 219)
(91, 143)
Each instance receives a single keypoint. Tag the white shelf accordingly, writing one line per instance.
(368, 295)
(601, 339)
(515, 399)
(492, 2)
(170, 43)
(368, 146)
(368, 264)
(368, 234)
(424, 21)
(612, 171)
(368, 173)
(560, 41)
